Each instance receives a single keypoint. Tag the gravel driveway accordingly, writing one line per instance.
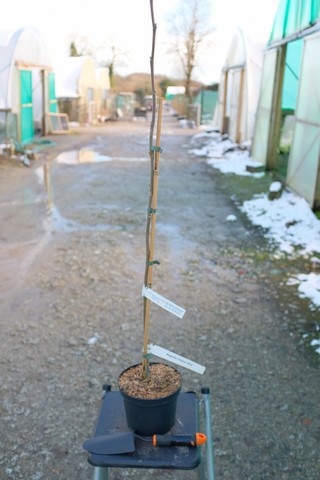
(71, 308)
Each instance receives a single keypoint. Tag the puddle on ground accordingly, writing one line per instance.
(90, 155)
(54, 221)
(74, 157)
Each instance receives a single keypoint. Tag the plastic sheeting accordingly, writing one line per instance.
(207, 99)
(26, 123)
(304, 159)
(74, 75)
(80, 88)
(240, 77)
(261, 134)
(24, 63)
(293, 16)
(291, 75)
(53, 106)
(8, 125)
(300, 94)
(26, 47)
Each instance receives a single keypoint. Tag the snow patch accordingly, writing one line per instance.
(288, 221)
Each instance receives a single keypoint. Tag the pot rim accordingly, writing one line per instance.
(175, 392)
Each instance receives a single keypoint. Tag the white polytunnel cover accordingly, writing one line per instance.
(73, 74)
(23, 47)
(239, 87)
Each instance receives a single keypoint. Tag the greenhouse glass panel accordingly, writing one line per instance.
(262, 125)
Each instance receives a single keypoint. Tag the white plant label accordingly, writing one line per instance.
(175, 358)
(163, 302)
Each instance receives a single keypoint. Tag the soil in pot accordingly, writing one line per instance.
(150, 404)
(162, 381)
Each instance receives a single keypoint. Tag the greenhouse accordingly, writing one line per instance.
(239, 88)
(78, 89)
(27, 85)
(287, 131)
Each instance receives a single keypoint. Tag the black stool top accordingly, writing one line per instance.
(112, 419)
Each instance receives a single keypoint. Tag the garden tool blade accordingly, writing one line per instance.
(111, 444)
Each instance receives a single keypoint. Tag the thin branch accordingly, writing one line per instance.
(152, 154)
(151, 135)
(154, 31)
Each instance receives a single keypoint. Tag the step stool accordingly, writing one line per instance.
(193, 413)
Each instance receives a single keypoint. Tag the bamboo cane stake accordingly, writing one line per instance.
(150, 255)
(47, 184)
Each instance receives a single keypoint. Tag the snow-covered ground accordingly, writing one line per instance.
(288, 221)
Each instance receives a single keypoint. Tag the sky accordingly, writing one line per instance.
(289, 223)
(127, 24)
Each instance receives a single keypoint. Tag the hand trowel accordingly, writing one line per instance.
(116, 443)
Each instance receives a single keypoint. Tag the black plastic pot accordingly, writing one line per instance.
(150, 416)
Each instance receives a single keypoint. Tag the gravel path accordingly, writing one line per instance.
(71, 309)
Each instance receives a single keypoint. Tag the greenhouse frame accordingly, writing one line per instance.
(287, 129)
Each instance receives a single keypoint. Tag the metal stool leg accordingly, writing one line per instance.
(100, 473)
(209, 443)
(201, 471)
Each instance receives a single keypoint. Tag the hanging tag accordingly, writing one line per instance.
(175, 358)
(163, 302)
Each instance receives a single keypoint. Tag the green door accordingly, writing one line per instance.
(26, 116)
(53, 107)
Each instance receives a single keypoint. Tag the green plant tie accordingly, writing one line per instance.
(152, 210)
(154, 148)
(147, 356)
(153, 262)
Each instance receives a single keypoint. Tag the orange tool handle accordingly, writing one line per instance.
(179, 440)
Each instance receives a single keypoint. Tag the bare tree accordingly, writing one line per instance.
(111, 56)
(189, 27)
(107, 55)
(79, 45)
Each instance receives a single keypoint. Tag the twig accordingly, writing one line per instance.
(151, 133)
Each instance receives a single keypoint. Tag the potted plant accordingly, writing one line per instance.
(150, 390)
